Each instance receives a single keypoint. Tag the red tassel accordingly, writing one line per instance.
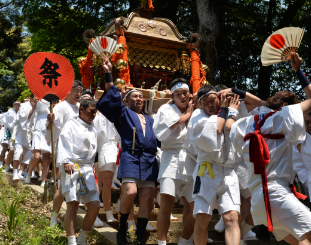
(296, 193)
(119, 156)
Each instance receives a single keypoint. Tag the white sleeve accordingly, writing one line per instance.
(65, 147)
(41, 107)
(58, 122)
(163, 120)
(243, 112)
(23, 114)
(306, 152)
(11, 119)
(204, 133)
(237, 133)
(298, 165)
(290, 122)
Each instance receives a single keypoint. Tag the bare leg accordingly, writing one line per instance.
(15, 164)
(166, 206)
(306, 240)
(200, 234)
(92, 212)
(58, 200)
(131, 216)
(9, 158)
(36, 158)
(130, 191)
(70, 218)
(186, 210)
(189, 221)
(46, 165)
(232, 229)
(23, 166)
(99, 177)
(145, 202)
(40, 166)
(107, 177)
(4, 149)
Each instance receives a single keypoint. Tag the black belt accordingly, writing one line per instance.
(140, 150)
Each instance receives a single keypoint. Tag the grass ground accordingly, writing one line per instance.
(25, 220)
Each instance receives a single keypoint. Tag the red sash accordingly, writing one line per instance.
(260, 156)
(119, 155)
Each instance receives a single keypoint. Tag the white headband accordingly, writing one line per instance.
(86, 95)
(178, 86)
(16, 102)
(131, 91)
(73, 86)
(210, 92)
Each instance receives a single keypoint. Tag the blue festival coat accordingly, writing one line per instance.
(142, 164)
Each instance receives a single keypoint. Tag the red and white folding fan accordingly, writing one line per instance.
(280, 44)
(103, 46)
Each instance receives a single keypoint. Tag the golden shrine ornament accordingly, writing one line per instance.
(120, 48)
(119, 83)
(121, 64)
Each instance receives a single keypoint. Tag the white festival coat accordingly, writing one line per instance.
(63, 113)
(77, 144)
(23, 125)
(173, 143)
(108, 139)
(289, 122)
(217, 151)
(10, 119)
(306, 158)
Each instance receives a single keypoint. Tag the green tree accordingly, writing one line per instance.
(244, 27)
(11, 36)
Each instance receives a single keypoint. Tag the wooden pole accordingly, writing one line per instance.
(53, 150)
(133, 144)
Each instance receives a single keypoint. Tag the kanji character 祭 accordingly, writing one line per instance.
(49, 72)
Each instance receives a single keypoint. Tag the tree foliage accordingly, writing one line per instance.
(243, 26)
(11, 53)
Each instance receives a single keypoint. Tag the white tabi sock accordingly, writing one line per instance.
(83, 236)
(14, 171)
(40, 173)
(1, 164)
(131, 225)
(246, 228)
(72, 240)
(53, 220)
(182, 241)
(109, 215)
(190, 241)
(161, 242)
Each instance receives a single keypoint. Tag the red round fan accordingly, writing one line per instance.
(49, 74)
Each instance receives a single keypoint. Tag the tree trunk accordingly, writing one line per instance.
(208, 29)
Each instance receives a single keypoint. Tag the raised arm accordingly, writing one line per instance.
(184, 118)
(110, 104)
(108, 77)
(233, 112)
(251, 101)
(304, 81)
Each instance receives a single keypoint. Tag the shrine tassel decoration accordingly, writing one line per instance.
(85, 70)
(125, 73)
(198, 74)
(150, 5)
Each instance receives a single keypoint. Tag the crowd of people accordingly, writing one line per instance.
(221, 148)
